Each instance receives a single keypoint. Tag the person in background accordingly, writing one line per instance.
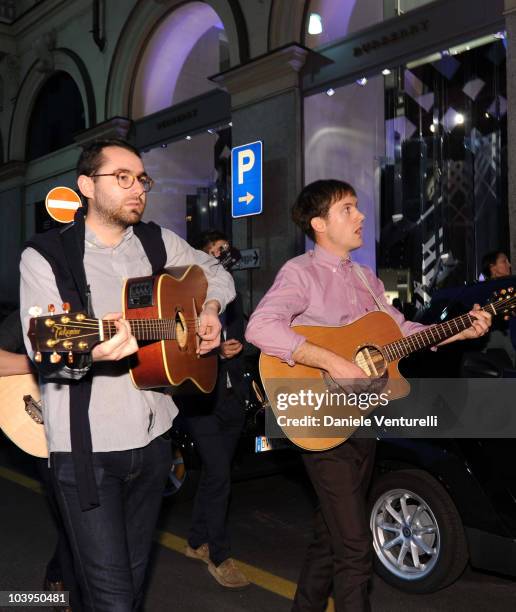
(495, 264)
(216, 423)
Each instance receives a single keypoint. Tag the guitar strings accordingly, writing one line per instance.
(144, 326)
(402, 347)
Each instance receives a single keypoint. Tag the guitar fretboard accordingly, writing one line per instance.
(145, 329)
(434, 334)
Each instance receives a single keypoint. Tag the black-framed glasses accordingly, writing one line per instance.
(126, 180)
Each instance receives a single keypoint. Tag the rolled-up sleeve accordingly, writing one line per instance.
(269, 326)
(221, 286)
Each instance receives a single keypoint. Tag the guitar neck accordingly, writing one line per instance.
(430, 336)
(143, 329)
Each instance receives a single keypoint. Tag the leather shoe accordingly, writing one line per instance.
(228, 574)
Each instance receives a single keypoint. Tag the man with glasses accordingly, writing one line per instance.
(110, 451)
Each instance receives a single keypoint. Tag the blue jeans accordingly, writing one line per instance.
(111, 543)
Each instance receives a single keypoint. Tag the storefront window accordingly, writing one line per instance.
(344, 139)
(425, 146)
(190, 193)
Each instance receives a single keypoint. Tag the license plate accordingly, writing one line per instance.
(262, 444)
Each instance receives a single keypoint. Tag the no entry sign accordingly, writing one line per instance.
(61, 204)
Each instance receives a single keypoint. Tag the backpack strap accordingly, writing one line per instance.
(149, 234)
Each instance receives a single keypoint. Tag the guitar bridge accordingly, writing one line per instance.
(33, 409)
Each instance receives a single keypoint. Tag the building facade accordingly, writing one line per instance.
(410, 101)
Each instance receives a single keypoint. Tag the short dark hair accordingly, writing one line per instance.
(315, 201)
(208, 237)
(489, 260)
(91, 157)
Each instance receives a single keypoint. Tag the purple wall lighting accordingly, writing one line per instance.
(166, 54)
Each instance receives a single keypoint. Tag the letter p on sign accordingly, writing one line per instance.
(245, 163)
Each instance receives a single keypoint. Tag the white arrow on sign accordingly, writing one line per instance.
(247, 198)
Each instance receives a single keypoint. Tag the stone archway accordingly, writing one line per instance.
(138, 33)
(65, 61)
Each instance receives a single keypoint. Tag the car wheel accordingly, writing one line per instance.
(182, 481)
(418, 536)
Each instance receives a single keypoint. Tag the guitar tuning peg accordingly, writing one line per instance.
(66, 307)
(35, 311)
(55, 357)
(69, 358)
(38, 357)
(51, 308)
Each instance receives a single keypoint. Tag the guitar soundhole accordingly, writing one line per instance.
(181, 330)
(371, 360)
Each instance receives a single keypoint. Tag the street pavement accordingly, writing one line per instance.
(270, 521)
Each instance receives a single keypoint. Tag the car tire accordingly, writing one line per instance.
(418, 537)
(182, 480)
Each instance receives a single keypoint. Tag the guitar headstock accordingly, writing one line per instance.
(62, 333)
(504, 302)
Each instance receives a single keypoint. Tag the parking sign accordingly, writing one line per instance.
(246, 179)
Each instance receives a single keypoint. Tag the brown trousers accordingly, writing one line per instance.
(340, 554)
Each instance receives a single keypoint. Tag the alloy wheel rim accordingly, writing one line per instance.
(406, 535)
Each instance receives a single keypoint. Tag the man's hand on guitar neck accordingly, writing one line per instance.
(481, 323)
(209, 327)
(121, 345)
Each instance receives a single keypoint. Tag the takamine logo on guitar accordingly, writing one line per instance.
(64, 332)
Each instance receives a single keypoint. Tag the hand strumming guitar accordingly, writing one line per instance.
(209, 327)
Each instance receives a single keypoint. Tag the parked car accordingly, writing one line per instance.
(436, 504)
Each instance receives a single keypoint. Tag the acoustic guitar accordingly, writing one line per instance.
(162, 311)
(376, 344)
(21, 418)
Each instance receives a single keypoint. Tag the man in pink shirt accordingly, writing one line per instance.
(323, 287)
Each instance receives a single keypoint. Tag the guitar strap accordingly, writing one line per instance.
(362, 277)
(63, 248)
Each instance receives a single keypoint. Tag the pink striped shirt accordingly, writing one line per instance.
(317, 288)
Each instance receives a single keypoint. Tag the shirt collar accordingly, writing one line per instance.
(92, 239)
(324, 256)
